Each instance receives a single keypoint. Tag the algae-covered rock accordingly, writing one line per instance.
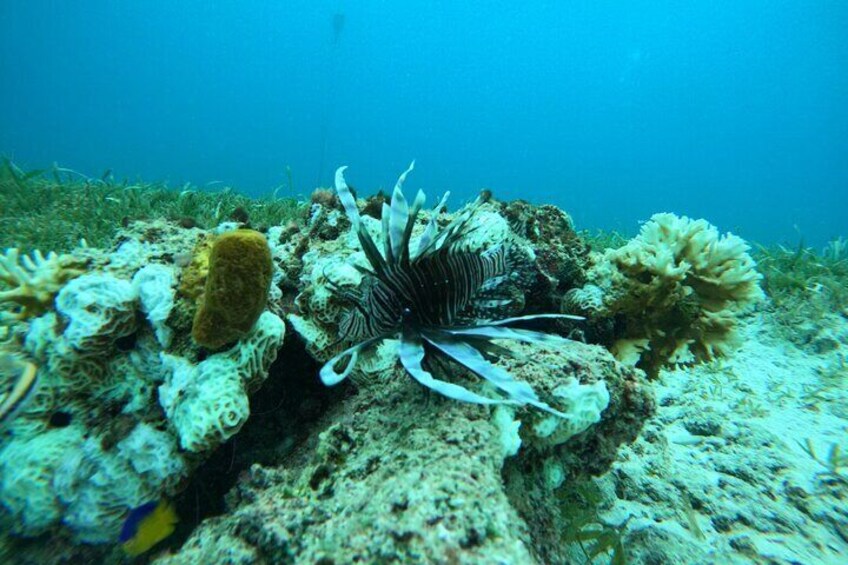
(560, 256)
(396, 474)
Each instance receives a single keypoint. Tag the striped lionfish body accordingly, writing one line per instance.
(431, 291)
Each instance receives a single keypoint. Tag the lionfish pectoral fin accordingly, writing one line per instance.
(411, 355)
(466, 355)
(329, 375)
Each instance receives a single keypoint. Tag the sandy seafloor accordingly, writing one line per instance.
(720, 474)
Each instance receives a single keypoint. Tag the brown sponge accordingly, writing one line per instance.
(236, 288)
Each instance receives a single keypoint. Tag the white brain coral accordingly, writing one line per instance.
(28, 502)
(99, 309)
(154, 285)
(208, 403)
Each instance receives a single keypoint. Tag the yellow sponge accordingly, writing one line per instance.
(193, 276)
(236, 288)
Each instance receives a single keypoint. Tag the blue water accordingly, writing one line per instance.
(733, 111)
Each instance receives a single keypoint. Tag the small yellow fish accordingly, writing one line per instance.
(147, 525)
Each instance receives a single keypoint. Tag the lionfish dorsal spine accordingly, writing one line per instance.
(399, 211)
(417, 204)
(368, 247)
(387, 241)
(430, 230)
(346, 197)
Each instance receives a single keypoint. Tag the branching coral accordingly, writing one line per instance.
(34, 281)
(674, 293)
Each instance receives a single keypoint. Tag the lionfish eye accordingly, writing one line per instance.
(406, 315)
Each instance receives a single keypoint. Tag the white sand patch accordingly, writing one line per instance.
(721, 474)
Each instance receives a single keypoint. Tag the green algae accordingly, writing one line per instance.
(803, 282)
(54, 209)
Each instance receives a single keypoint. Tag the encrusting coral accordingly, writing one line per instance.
(236, 288)
(118, 413)
(672, 295)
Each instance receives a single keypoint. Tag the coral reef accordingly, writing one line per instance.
(147, 358)
(332, 271)
(672, 295)
(122, 411)
(393, 473)
(236, 288)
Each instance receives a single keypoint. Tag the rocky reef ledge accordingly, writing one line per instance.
(132, 406)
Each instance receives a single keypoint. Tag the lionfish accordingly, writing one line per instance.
(419, 297)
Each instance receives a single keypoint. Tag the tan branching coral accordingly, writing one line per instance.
(33, 281)
(674, 293)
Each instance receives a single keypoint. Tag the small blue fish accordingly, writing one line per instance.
(147, 525)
